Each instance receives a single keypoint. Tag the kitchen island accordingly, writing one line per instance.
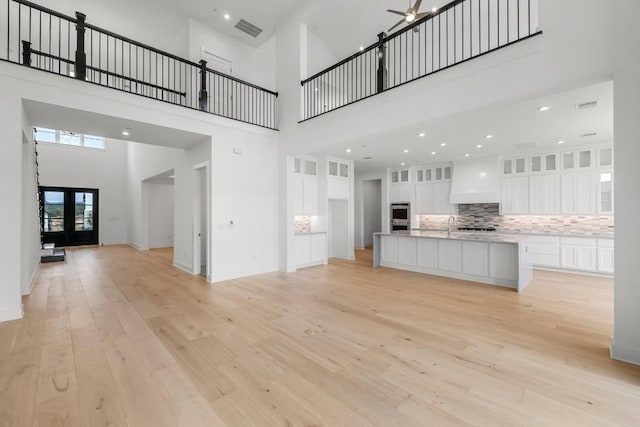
(480, 257)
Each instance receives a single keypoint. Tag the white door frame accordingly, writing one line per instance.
(197, 253)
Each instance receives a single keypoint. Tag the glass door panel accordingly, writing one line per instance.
(53, 211)
(69, 216)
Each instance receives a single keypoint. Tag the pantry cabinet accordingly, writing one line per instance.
(305, 183)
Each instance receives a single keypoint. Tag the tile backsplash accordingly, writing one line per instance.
(303, 224)
(488, 215)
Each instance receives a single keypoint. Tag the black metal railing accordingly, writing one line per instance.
(460, 31)
(42, 38)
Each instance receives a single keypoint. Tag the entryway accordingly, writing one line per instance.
(201, 220)
(69, 216)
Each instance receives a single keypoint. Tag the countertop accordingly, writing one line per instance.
(533, 234)
(460, 235)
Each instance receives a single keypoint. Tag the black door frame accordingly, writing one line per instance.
(69, 237)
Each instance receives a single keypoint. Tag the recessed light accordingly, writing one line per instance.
(483, 174)
(126, 132)
(488, 136)
(402, 164)
(433, 153)
(434, 10)
(348, 150)
(361, 48)
(544, 108)
(405, 151)
(444, 144)
(226, 16)
(479, 146)
(422, 134)
(466, 155)
(560, 142)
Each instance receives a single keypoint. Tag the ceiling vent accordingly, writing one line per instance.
(587, 105)
(526, 146)
(588, 134)
(248, 28)
(367, 158)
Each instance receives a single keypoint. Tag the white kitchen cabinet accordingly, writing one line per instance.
(578, 193)
(305, 182)
(400, 176)
(605, 192)
(605, 157)
(578, 160)
(389, 251)
(475, 258)
(399, 193)
(338, 183)
(515, 195)
(503, 261)
(407, 251)
(545, 251)
(450, 256)
(514, 166)
(318, 248)
(442, 197)
(578, 253)
(427, 253)
(544, 194)
(606, 259)
(425, 199)
(311, 249)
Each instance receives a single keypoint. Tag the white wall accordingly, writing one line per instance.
(625, 344)
(371, 209)
(67, 166)
(160, 216)
(30, 230)
(319, 55)
(360, 179)
(338, 239)
(256, 66)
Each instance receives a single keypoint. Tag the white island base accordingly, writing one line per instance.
(491, 259)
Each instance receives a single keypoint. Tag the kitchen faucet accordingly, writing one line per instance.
(452, 221)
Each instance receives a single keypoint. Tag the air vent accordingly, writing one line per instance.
(587, 105)
(588, 134)
(367, 158)
(249, 28)
(526, 146)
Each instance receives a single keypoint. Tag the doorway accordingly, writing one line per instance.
(371, 210)
(201, 220)
(338, 229)
(69, 215)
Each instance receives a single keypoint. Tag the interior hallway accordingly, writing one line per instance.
(116, 336)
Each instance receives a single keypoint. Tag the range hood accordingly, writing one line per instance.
(476, 181)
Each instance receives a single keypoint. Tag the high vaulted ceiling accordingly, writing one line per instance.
(517, 127)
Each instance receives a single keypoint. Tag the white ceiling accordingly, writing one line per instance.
(69, 119)
(262, 13)
(510, 124)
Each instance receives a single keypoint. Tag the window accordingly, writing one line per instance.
(64, 137)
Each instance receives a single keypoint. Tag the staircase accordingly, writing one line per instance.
(48, 251)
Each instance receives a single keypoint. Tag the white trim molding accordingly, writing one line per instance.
(11, 314)
(182, 266)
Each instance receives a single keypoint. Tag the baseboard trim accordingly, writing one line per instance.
(624, 354)
(161, 246)
(184, 267)
(578, 272)
(33, 279)
(11, 314)
(140, 248)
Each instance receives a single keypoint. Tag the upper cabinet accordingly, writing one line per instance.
(433, 190)
(339, 172)
(305, 182)
(516, 166)
(578, 160)
(575, 182)
(400, 189)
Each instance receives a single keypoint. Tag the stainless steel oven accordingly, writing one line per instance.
(400, 216)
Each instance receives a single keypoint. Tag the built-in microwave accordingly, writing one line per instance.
(400, 216)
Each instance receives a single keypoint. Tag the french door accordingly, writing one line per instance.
(69, 215)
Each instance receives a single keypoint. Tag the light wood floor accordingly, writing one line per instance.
(118, 337)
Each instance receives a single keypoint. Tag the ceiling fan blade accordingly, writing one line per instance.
(398, 24)
(416, 7)
(422, 15)
(397, 12)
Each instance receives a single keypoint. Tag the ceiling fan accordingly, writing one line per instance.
(412, 14)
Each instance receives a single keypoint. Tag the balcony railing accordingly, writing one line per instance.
(44, 39)
(456, 33)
